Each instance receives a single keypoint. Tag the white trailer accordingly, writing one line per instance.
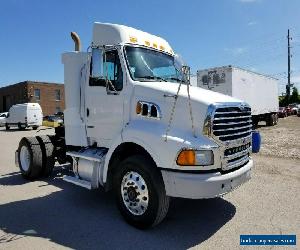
(259, 91)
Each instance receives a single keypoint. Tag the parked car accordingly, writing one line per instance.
(282, 112)
(288, 111)
(3, 117)
(52, 121)
(294, 110)
(24, 115)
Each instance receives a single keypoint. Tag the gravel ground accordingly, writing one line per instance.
(52, 214)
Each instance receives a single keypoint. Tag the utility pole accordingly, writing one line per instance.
(289, 85)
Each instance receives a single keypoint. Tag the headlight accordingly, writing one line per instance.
(189, 157)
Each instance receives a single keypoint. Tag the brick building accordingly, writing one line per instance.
(50, 96)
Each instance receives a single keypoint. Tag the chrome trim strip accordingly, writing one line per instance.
(232, 117)
(239, 154)
(231, 129)
(248, 131)
(234, 165)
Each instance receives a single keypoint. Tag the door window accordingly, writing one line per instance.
(112, 72)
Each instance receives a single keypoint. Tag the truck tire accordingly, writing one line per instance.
(275, 119)
(270, 120)
(30, 158)
(21, 127)
(140, 192)
(48, 159)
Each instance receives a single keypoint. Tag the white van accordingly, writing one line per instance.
(3, 118)
(25, 115)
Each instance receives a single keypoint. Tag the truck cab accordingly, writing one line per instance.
(134, 125)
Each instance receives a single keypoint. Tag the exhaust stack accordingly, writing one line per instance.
(76, 40)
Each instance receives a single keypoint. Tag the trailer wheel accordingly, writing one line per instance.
(30, 158)
(270, 120)
(276, 119)
(140, 192)
(48, 159)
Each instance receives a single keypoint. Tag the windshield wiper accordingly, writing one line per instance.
(174, 79)
(153, 77)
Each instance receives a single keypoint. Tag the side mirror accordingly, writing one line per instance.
(186, 73)
(97, 63)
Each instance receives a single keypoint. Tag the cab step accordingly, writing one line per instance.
(78, 182)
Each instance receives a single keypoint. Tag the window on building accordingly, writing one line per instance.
(57, 94)
(37, 94)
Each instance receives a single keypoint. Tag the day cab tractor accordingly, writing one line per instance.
(134, 125)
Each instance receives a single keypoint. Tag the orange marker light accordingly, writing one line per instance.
(186, 158)
(147, 43)
(138, 108)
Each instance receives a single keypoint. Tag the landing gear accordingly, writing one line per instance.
(140, 192)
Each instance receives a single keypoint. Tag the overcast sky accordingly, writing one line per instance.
(245, 33)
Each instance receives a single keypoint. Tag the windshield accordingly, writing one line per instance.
(150, 65)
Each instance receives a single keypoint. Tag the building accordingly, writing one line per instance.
(50, 96)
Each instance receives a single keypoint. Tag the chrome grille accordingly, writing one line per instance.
(232, 123)
(232, 128)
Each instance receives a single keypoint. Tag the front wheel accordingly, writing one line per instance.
(140, 192)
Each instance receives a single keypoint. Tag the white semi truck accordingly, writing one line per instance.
(134, 125)
(259, 91)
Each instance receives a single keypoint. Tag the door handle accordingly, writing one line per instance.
(87, 112)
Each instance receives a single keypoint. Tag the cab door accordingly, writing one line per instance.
(104, 99)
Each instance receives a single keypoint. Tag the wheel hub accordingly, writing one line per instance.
(25, 158)
(134, 192)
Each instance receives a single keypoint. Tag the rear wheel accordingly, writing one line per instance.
(47, 148)
(140, 192)
(30, 158)
(6, 126)
(270, 120)
(275, 119)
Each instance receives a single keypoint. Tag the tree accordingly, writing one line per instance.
(295, 96)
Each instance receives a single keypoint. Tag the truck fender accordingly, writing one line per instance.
(123, 139)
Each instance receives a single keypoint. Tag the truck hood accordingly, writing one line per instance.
(162, 94)
(197, 94)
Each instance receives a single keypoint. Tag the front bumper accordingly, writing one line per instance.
(199, 186)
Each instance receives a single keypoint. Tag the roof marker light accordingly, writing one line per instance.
(133, 39)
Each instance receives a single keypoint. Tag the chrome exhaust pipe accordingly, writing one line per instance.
(76, 40)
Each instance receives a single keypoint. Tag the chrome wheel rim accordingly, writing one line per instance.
(25, 158)
(135, 193)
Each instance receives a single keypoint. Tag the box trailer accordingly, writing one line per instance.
(259, 91)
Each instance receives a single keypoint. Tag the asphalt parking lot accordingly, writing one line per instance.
(53, 214)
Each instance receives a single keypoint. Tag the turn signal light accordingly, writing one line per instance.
(139, 107)
(186, 158)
